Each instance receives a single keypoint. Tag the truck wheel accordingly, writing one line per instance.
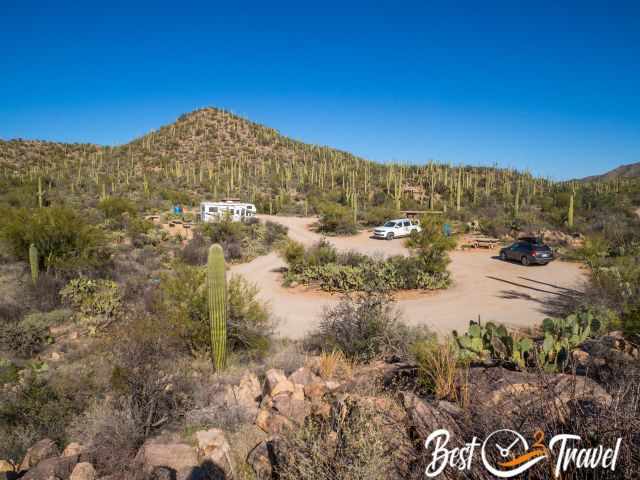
(390, 236)
(525, 261)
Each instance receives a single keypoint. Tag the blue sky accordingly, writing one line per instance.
(549, 86)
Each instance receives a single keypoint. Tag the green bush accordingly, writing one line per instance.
(183, 302)
(321, 264)
(243, 241)
(63, 238)
(376, 216)
(26, 337)
(336, 219)
(113, 208)
(94, 300)
(30, 411)
(431, 245)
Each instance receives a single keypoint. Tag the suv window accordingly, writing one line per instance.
(407, 224)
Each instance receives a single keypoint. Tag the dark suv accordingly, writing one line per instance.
(527, 252)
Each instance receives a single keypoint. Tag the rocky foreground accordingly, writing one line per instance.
(489, 397)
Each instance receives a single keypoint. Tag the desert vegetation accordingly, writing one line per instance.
(122, 344)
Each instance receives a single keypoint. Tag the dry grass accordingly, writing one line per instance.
(334, 365)
(438, 370)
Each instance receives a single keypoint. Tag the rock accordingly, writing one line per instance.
(262, 457)
(56, 467)
(162, 473)
(272, 422)
(214, 450)
(283, 386)
(315, 390)
(298, 392)
(332, 385)
(73, 448)
(292, 408)
(41, 450)
(175, 456)
(83, 471)
(245, 395)
(425, 418)
(303, 376)
(274, 376)
(498, 391)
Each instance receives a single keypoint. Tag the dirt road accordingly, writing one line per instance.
(483, 285)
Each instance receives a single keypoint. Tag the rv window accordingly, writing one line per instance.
(213, 209)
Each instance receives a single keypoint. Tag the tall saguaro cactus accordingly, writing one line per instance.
(33, 262)
(217, 300)
(570, 213)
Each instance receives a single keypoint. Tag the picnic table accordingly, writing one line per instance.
(480, 241)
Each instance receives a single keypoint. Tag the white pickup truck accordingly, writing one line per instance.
(401, 227)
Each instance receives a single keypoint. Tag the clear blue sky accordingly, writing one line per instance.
(550, 86)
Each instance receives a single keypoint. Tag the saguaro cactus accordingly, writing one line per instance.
(33, 262)
(570, 214)
(217, 300)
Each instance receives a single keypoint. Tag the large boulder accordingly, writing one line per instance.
(273, 377)
(54, 467)
(214, 451)
(173, 455)
(83, 471)
(245, 395)
(304, 376)
(73, 448)
(39, 451)
(510, 394)
(423, 418)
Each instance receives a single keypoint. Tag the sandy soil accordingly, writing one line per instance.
(483, 286)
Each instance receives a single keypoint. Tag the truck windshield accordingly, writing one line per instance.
(390, 224)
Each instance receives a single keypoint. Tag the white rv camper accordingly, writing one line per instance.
(234, 211)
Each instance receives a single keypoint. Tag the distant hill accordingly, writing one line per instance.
(631, 170)
(211, 153)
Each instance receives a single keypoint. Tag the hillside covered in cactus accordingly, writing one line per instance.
(210, 154)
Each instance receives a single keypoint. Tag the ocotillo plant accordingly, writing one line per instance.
(33, 262)
(217, 300)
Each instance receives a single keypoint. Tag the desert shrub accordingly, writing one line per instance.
(32, 410)
(195, 252)
(275, 232)
(26, 337)
(63, 238)
(249, 324)
(113, 208)
(94, 300)
(184, 303)
(144, 377)
(45, 294)
(293, 253)
(112, 434)
(243, 241)
(364, 327)
(351, 271)
(336, 219)
(351, 444)
(376, 216)
(431, 245)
